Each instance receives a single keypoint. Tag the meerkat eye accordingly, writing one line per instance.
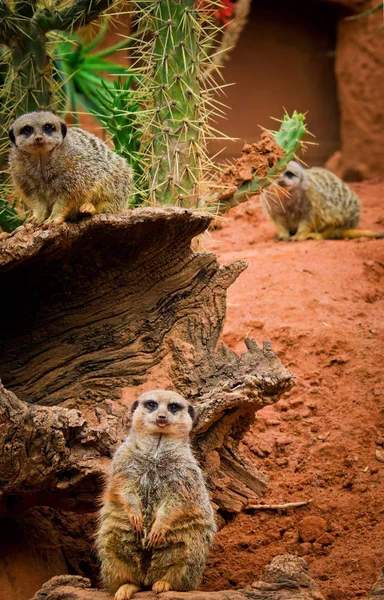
(26, 130)
(290, 175)
(174, 407)
(48, 127)
(151, 405)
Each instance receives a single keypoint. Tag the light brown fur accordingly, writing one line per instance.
(64, 173)
(313, 204)
(156, 523)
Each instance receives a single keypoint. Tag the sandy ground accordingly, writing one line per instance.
(322, 306)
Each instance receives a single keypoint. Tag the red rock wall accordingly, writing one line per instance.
(360, 80)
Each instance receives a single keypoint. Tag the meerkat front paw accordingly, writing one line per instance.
(126, 591)
(137, 523)
(156, 536)
(161, 586)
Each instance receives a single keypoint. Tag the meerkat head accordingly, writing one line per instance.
(162, 412)
(293, 177)
(37, 132)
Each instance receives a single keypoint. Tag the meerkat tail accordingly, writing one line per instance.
(358, 233)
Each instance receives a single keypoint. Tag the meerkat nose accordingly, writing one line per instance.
(161, 420)
(38, 139)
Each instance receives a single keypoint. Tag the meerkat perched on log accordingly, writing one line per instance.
(63, 173)
(156, 523)
(313, 204)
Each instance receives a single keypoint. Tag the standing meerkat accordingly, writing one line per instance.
(63, 173)
(156, 524)
(313, 204)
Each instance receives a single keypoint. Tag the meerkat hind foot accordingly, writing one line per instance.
(87, 208)
(126, 591)
(161, 586)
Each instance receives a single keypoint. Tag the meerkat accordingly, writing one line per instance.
(313, 204)
(156, 522)
(65, 172)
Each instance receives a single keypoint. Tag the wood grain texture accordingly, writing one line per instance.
(286, 578)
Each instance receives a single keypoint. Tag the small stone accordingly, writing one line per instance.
(313, 405)
(282, 462)
(283, 441)
(261, 448)
(317, 548)
(294, 402)
(380, 441)
(311, 528)
(305, 548)
(326, 539)
(291, 536)
(379, 455)
(272, 422)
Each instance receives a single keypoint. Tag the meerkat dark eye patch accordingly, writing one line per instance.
(290, 175)
(11, 134)
(48, 128)
(191, 412)
(26, 130)
(174, 407)
(151, 405)
(134, 406)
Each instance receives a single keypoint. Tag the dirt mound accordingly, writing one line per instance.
(322, 306)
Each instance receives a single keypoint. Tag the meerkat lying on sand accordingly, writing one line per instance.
(313, 204)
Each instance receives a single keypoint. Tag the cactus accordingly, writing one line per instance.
(289, 138)
(29, 83)
(174, 137)
(122, 116)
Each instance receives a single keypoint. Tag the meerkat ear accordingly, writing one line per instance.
(63, 129)
(12, 136)
(191, 412)
(134, 406)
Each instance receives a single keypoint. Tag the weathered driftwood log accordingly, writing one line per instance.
(285, 579)
(95, 307)
(90, 309)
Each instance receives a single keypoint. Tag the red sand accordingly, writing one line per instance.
(322, 306)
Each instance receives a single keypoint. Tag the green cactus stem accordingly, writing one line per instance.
(174, 139)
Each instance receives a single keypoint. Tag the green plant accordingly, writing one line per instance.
(10, 218)
(123, 117)
(173, 60)
(82, 72)
(289, 137)
(366, 13)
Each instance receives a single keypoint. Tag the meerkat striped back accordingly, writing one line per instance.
(338, 201)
